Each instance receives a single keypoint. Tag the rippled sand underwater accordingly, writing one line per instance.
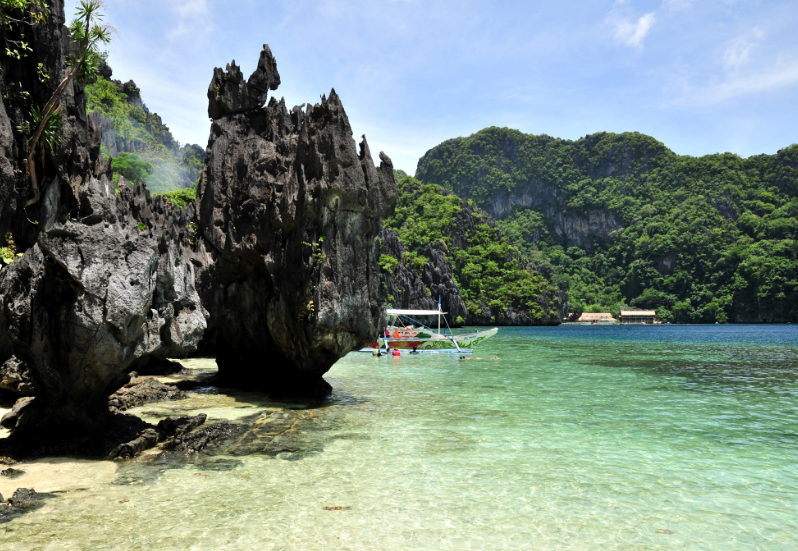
(576, 438)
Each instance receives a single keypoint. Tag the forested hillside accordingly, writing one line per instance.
(620, 220)
(440, 232)
(141, 145)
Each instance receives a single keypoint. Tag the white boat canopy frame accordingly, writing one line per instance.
(393, 312)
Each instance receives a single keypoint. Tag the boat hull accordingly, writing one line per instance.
(426, 341)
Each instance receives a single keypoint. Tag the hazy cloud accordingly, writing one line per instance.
(632, 33)
(738, 53)
(193, 18)
(677, 5)
(735, 85)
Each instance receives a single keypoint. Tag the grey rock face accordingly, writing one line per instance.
(67, 164)
(105, 125)
(96, 296)
(289, 213)
(8, 176)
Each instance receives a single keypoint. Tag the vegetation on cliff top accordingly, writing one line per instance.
(148, 151)
(709, 239)
(489, 272)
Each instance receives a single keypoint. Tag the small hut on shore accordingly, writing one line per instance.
(638, 316)
(596, 317)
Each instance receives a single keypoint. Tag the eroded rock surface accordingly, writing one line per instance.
(289, 213)
(104, 289)
(14, 378)
(65, 166)
(142, 390)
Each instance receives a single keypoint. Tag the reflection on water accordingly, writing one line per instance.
(578, 437)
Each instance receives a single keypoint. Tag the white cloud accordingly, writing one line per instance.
(677, 5)
(632, 33)
(770, 79)
(193, 18)
(737, 55)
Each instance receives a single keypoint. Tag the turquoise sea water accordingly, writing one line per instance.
(665, 437)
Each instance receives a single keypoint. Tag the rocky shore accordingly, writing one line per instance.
(283, 430)
(275, 271)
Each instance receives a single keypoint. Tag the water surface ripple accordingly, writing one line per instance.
(673, 437)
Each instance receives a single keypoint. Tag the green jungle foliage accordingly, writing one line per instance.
(147, 139)
(708, 239)
(488, 270)
(132, 167)
(180, 197)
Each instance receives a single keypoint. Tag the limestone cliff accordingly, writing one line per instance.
(289, 216)
(105, 289)
(27, 81)
(504, 171)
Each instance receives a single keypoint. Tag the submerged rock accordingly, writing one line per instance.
(23, 501)
(24, 498)
(289, 213)
(172, 427)
(197, 441)
(12, 473)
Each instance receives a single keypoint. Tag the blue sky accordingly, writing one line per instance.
(702, 76)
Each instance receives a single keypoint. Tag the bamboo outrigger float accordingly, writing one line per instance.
(406, 333)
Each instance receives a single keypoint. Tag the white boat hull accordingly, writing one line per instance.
(430, 341)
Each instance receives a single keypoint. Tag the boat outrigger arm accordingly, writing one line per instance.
(405, 332)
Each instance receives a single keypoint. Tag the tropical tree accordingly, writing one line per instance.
(89, 33)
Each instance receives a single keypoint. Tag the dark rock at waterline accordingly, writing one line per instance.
(171, 426)
(12, 473)
(14, 378)
(142, 390)
(100, 293)
(24, 498)
(146, 440)
(167, 429)
(197, 441)
(159, 366)
(23, 501)
(97, 440)
(289, 212)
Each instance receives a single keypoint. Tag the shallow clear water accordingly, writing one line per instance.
(672, 437)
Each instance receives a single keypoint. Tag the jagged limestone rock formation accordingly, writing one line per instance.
(228, 93)
(289, 213)
(105, 288)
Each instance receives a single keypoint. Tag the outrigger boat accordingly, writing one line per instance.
(405, 332)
